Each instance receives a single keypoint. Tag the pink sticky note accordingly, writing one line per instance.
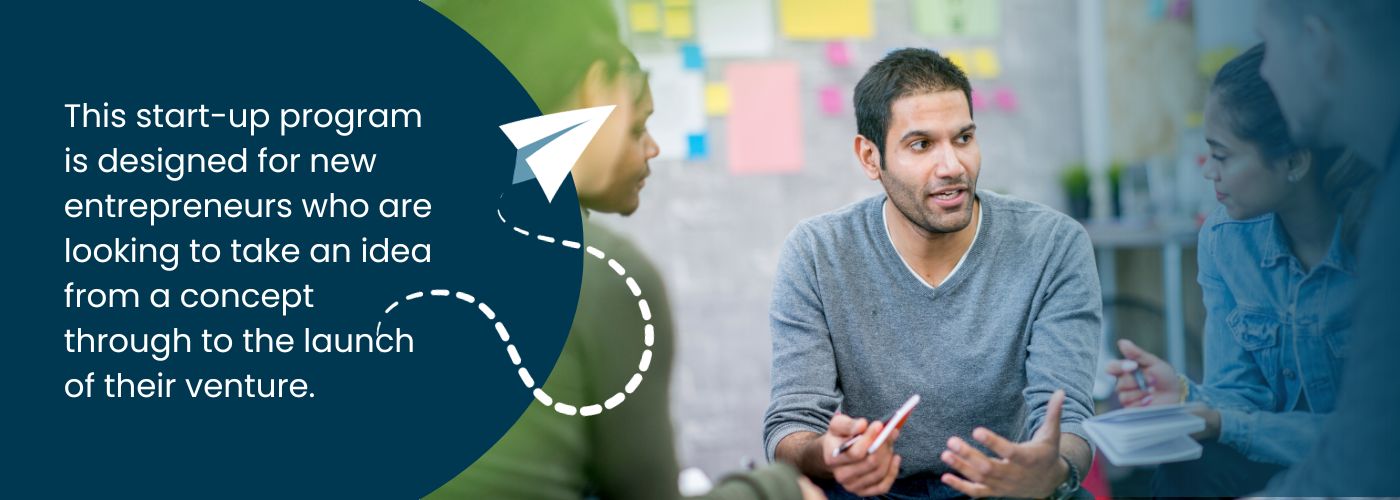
(838, 54)
(979, 101)
(1006, 100)
(1180, 10)
(830, 97)
(765, 117)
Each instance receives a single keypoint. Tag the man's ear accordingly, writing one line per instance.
(869, 157)
(596, 89)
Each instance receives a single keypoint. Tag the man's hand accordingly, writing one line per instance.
(864, 474)
(1029, 470)
(1163, 386)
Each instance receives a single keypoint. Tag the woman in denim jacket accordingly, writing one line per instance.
(1278, 279)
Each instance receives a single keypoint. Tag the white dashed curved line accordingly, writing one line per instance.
(649, 331)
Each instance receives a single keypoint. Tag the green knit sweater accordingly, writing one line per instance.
(623, 453)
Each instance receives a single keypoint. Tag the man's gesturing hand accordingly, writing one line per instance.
(864, 474)
(1032, 469)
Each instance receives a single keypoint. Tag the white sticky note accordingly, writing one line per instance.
(735, 28)
(680, 103)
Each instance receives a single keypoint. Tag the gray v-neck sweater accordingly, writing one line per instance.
(853, 328)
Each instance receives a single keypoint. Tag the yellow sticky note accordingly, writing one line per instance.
(822, 19)
(987, 63)
(1210, 62)
(678, 3)
(678, 23)
(716, 99)
(959, 58)
(644, 16)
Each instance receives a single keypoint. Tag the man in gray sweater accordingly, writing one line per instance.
(986, 306)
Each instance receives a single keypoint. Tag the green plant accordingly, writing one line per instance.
(1115, 174)
(1075, 180)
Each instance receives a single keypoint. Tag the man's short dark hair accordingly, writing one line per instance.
(902, 73)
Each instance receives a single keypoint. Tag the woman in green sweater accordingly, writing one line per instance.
(567, 55)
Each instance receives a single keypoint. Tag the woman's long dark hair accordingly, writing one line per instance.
(1256, 118)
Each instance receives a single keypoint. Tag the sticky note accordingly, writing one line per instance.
(765, 119)
(959, 58)
(986, 62)
(981, 18)
(691, 57)
(735, 28)
(979, 100)
(949, 18)
(838, 53)
(822, 19)
(1006, 100)
(1211, 61)
(933, 17)
(699, 146)
(716, 99)
(830, 97)
(1156, 9)
(645, 17)
(677, 23)
(680, 104)
(1180, 10)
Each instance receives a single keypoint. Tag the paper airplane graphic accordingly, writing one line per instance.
(548, 146)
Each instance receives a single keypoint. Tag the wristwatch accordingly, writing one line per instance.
(1071, 485)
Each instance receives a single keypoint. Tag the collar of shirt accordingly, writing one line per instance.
(1275, 249)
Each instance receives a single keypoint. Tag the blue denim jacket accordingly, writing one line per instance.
(1275, 336)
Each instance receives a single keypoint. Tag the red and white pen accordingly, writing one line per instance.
(893, 422)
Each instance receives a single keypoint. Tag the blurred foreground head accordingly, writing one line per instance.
(567, 55)
(1333, 65)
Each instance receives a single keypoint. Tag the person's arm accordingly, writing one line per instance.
(801, 427)
(634, 452)
(1264, 436)
(805, 392)
(1064, 345)
(803, 449)
(1232, 378)
(1077, 451)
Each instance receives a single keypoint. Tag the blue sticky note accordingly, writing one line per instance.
(1156, 9)
(692, 58)
(699, 147)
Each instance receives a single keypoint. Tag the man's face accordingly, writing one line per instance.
(931, 160)
(1295, 69)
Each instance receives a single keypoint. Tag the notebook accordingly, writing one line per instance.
(1147, 436)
